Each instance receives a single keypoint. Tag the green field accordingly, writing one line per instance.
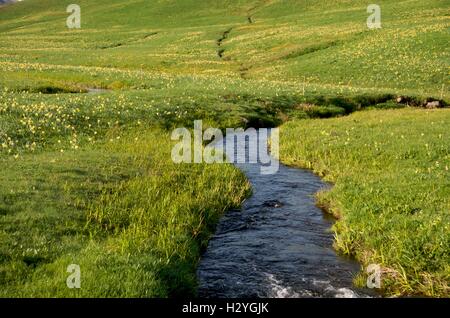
(391, 194)
(87, 178)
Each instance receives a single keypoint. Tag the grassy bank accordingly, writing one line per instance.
(391, 175)
(134, 221)
(88, 179)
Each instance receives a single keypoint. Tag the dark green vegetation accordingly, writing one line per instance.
(88, 179)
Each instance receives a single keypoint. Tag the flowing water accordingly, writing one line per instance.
(278, 245)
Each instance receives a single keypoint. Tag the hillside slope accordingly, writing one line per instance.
(324, 43)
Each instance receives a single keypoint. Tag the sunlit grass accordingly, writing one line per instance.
(134, 221)
(391, 193)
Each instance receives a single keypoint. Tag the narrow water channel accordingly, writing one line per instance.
(278, 246)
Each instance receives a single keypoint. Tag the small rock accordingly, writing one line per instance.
(433, 104)
(403, 100)
(245, 120)
(273, 204)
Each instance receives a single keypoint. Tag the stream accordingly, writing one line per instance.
(279, 245)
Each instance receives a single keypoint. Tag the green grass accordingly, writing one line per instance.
(76, 186)
(391, 193)
(318, 44)
(134, 221)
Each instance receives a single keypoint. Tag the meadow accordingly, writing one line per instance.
(87, 176)
(390, 171)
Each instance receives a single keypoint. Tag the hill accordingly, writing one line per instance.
(316, 43)
(85, 116)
